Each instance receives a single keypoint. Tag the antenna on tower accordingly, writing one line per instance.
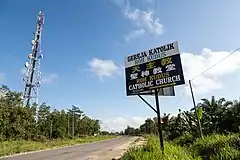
(32, 77)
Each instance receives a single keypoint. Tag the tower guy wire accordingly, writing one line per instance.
(216, 64)
(32, 77)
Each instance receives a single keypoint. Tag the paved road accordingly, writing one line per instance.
(77, 152)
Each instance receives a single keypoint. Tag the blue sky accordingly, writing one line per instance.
(84, 44)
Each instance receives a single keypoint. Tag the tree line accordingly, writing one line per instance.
(18, 121)
(215, 116)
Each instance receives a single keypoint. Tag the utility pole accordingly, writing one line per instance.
(72, 122)
(51, 122)
(68, 125)
(194, 104)
(51, 125)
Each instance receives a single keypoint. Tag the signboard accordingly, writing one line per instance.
(167, 91)
(156, 68)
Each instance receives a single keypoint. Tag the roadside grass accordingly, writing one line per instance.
(213, 147)
(218, 147)
(21, 146)
(151, 150)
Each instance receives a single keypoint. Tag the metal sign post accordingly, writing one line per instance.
(159, 121)
(158, 112)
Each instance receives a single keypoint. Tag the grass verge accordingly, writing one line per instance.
(214, 147)
(151, 150)
(218, 147)
(21, 146)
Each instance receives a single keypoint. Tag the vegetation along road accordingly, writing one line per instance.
(76, 152)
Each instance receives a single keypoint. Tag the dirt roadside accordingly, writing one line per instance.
(117, 151)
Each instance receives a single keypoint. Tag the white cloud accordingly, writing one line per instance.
(121, 123)
(134, 34)
(49, 78)
(194, 64)
(103, 68)
(145, 21)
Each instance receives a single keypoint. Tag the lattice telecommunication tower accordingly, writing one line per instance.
(32, 77)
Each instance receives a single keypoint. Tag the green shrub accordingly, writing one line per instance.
(217, 147)
(226, 153)
(1, 139)
(185, 140)
(214, 147)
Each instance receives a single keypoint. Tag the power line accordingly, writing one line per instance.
(181, 98)
(216, 63)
